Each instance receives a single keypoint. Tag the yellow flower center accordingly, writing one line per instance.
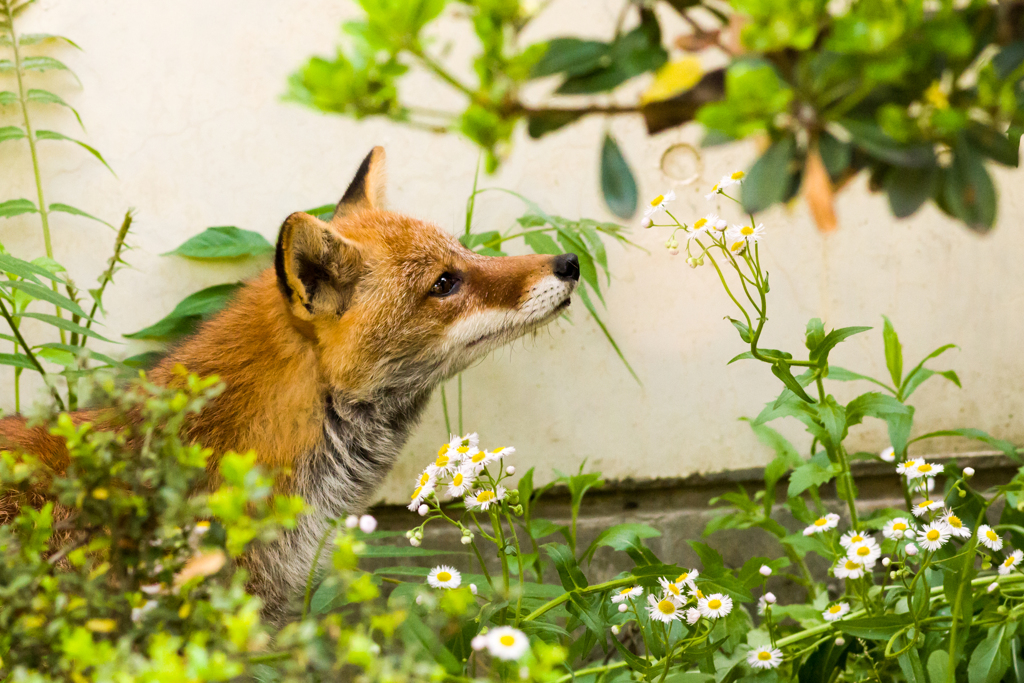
(863, 551)
(507, 641)
(700, 223)
(673, 589)
(625, 590)
(658, 200)
(442, 450)
(424, 478)
(1009, 561)
(835, 609)
(457, 479)
(747, 230)
(764, 655)
(416, 493)
(714, 604)
(954, 521)
(667, 607)
(498, 450)
(926, 504)
(699, 594)
(443, 576)
(682, 577)
(856, 538)
(463, 449)
(736, 246)
(850, 564)
(899, 526)
(992, 536)
(933, 535)
(485, 496)
(442, 460)
(924, 468)
(478, 457)
(738, 175)
(715, 188)
(821, 521)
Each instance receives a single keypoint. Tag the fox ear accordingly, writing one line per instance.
(367, 189)
(317, 270)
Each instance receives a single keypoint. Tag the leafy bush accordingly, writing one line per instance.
(919, 95)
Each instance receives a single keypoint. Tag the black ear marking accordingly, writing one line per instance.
(367, 189)
(356, 191)
(282, 275)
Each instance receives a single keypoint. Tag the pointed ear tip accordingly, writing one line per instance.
(377, 154)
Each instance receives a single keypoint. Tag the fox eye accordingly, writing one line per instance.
(445, 285)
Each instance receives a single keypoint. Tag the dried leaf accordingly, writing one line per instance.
(201, 564)
(818, 192)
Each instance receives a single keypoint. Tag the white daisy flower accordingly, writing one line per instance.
(764, 658)
(924, 506)
(692, 616)
(735, 241)
(895, 528)
(888, 455)
(933, 536)
(427, 477)
(764, 602)
(849, 569)
(706, 225)
(751, 235)
(446, 462)
(732, 179)
(671, 588)
(665, 610)
(866, 551)
(918, 468)
(715, 605)
(505, 642)
(714, 191)
(444, 577)
(851, 537)
(687, 578)
(1011, 562)
(989, 538)
(462, 481)
(955, 524)
(626, 593)
(836, 611)
(829, 521)
(419, 494)
(485, 498)
(658, 204)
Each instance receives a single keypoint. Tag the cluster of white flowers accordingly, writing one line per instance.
(679, 599)
(735, 238)
(456, 469)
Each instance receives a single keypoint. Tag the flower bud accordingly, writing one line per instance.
(840, 641)
(414, 542)
(1001, 609)
(909, 533)
(673, 251)
(615, 629)
(992, 586)
(892, 575)
(886, 561)
(911, 549)
(472, 588)
(765, 570)
(409, 534)
(352, 521)
(968, 472)
(466, 540)
(692, 262)
(367, 524)
(622, 607)
(510, 470)
(769, 598)
(962, 493)
(517, 510)
(423, 510)
(478, 643)
(645, 223)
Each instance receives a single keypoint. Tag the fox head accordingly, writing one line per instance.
(392, 302)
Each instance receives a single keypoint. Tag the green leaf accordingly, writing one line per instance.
(893, 352)
(54, 135)
(938, 666)
(742, 329)
(16, 207)
(25, 269)
(712, 564)
(47, 97)
(44, 63)
(909, 188)
(541, 243)
(66, 325)
(815, 333)
(617, 184)
(376, 551)
(768, 181)
(875, 628)
(781, 370)
(11, 133)
(17, 360)
(815, 472)
(571, 56)
(67, 208)
(832, 339)
(911, 382)
(71, 352)
(874, 404)
(785, 459)
(632, 54)
(36, 38)
(967, 191)
(187, 315)
(45, 294)
(843, 375)
(620, 537)
(415, 627)
(923, 375)
(223, 242)
(541, 123)
(994, 144)
(568, 569)
(1006, 447)
(990, 658)
(870, 138)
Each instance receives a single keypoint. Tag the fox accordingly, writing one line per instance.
(329, 357)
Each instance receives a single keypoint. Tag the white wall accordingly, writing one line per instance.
(183, 99)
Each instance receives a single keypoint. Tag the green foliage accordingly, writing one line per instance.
(919, 97)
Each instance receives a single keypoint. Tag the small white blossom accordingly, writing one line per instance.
(627, 593)
(826, 523)
(920, 509)
(423, 510)
(968, 472)
(910, 549)
(955, 524)
(989, 538)
(478, 643)
(665, 610)
(671, 588)
(615, 629)
(894, 529)
(505, 642)
(866, 552)
(836, 611)
(917, 468)
(472, 588)
(687, 578)
(510, 470)
(765, 570)
(765, 658)
(623, 607)
(851, 537)
(715, 605)
(420, 494)
(485, 498)
(462, 481)
(444, 576)
(1011, 562)
(992, 586)
(933, 536)
(658, 204)
(849, 569)
(888, 455)
(692, 616)
(352, 521)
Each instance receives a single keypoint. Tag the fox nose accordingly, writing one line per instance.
(567, 267)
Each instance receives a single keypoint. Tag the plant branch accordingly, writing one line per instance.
(31, 356)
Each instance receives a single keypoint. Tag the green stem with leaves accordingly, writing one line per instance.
(31, 356)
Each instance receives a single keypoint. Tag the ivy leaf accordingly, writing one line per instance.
(617, 183)
(223, 242)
